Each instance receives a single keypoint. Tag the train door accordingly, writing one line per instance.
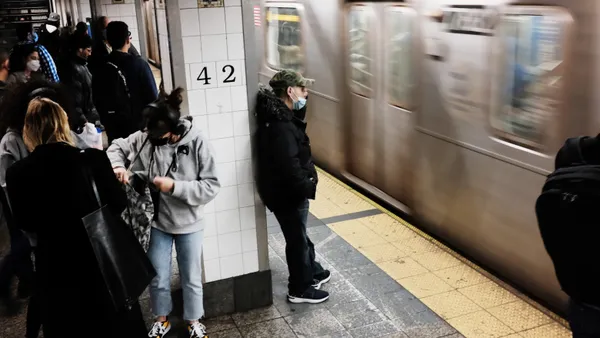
(381, 87)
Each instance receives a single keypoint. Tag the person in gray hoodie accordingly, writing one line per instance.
(178, 163)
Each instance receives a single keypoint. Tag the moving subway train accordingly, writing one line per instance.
(450, 110)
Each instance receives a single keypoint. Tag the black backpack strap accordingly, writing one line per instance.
(120, 75)
(574, 147)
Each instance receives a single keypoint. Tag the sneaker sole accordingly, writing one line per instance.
(297, 300)
(320, 284)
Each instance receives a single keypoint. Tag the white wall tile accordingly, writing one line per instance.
(229, 3)
(188, 4)
(188, 79)
(134, 35)
(131, 21)
(239, 98)
(220, 125)
(212, 21)
(235, 46)
(202, 75)
(211, 247)
(250, 262)
(241, 123)
(243, 72)
(243, 148)
(249, 242)
(201, 122)
(228, 73)
(130, 1)
(232, 266)
(212, 270)
(127, 10)
(112, 11)
(233, 18)
(218, 100)
(246, 193)
(189, 22)
(86, 12)
(244, 171)
(197, 102)
(230, 244)
(224, 150)
(228, 221)
(248, 218)
(227, 174)
(192, 49)
(227, 199)
(214, 47)
(210, 224)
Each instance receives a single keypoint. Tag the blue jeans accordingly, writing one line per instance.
(189, 260)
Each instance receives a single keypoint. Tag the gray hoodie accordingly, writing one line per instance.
(196, 183)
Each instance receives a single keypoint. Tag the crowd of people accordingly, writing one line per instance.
(64, 194)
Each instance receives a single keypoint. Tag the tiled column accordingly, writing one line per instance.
(202, 50)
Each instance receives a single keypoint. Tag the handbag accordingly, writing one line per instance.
(124, 265)
(140, 208)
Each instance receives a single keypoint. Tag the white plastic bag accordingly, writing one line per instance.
(89, 138)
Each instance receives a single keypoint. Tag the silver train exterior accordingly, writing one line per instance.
(450, 110)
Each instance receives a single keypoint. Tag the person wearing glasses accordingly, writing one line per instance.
(123, 87)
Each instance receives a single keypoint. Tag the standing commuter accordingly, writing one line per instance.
(287, 179)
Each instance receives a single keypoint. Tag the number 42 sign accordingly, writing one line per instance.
(216, 74)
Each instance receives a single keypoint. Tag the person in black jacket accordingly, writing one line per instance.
(49, 194)
(77, 77)
(102, 47)
(287, 179)
(139, 79)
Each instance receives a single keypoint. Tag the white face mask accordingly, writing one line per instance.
(33, 65)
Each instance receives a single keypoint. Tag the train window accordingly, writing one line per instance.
(284, 38)
(530, 72)
(399, 23)
(359, 50)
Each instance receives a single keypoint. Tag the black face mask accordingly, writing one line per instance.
(158, 142)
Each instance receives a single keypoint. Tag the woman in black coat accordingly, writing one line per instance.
(49, 194)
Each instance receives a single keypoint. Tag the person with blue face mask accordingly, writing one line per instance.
(287, 179)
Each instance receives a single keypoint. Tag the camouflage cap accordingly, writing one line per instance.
(289, 78)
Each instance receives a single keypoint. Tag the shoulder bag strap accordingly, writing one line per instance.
(90, 176)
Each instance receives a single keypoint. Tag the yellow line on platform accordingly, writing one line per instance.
(476, 303)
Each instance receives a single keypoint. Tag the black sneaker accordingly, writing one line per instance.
(321, 279)
(310, 296)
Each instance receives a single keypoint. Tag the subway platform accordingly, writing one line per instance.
(388, 280)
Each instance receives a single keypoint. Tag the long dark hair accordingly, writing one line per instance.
(18, 56)
(13, 106)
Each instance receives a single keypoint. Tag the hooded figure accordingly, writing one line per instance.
(287, 179)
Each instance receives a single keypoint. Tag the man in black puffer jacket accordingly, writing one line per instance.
(78, 78)
(287, 179)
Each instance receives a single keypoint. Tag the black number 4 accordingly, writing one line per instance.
(205, 78)
(231, 70)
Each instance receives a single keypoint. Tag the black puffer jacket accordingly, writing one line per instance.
(78, 78)
(286, 174)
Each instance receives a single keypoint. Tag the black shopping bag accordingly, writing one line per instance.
(124, 265)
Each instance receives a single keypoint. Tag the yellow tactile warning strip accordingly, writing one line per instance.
(472, 301)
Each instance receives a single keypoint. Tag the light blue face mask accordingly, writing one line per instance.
(300, 103)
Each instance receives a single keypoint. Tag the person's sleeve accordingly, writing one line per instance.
(207, 186)
(19, 201)
(148, 90)
(109, 188)
(122, 150)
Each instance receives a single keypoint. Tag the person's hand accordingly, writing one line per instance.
(121, 174)
(164, 184)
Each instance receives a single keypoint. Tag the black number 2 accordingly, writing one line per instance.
(231, 70)
(205, 78)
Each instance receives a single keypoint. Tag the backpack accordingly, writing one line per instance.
(116, 112)
(568, 214)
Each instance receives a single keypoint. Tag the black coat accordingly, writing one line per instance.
(49, 194)
(77, 77)
(286, 173)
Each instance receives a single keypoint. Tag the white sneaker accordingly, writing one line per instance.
(160, 329)
(197, 330)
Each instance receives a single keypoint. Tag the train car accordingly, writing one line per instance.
(449, 110)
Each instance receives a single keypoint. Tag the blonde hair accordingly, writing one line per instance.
(46, 122)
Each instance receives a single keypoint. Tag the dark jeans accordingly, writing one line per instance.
(299, 250)
(584, 320)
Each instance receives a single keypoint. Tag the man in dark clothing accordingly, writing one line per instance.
(572, 239)
(102, 47)
(287, 179)
(4, 57)
(50, 36)
(77, 77)
(139, 82)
